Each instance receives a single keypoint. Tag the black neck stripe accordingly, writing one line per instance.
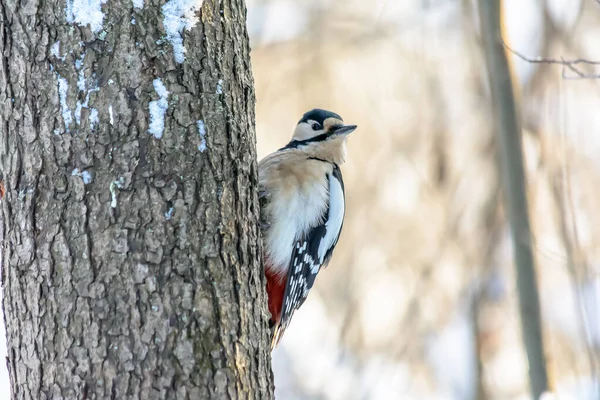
(319, 159)
(294, 144)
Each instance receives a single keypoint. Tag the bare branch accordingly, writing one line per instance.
(570, 65)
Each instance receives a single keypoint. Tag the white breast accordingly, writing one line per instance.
(293, 214)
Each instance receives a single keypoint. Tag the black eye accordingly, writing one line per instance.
(315, 126)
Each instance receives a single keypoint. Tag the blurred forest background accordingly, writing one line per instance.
(419, 301)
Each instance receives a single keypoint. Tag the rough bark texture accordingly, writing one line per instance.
(131, 264)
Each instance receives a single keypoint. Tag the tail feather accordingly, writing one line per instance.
(276, 335)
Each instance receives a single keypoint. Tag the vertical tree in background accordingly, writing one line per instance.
(131, 265)
(513, 177)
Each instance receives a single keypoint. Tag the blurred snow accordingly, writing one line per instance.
(276, 21)
(309, 354)
(379, 323)
(314, 334)
(524, 20)
(451, 351)
(400, 192)
(584, 388)
(508, 371)
(575, 118)
(591, 307)
(564, 13)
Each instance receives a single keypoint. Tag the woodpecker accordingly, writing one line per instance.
(302, 201)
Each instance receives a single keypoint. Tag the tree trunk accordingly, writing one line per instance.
(131, 248)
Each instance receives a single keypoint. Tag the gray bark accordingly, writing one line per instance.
(508, 129)
(131, 264)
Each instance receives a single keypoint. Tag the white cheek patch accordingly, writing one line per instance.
(304, 131)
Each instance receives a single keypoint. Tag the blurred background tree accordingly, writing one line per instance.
(510, 150)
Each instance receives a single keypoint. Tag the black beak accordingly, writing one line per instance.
(343, 129)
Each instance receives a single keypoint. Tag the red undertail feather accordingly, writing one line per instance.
(275, 291)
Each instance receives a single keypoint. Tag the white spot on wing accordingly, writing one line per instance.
(301, 249)
(297, 265)
(314, 267)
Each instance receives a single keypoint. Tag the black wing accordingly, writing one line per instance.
(304, 267)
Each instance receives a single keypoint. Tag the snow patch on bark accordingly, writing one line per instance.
(55, 51)
(81, 76)
(114, 186)
(85, 175)
(78, 112)
(63, 88)
(179, 15)
(158, 109)
(202, 133)
(86, 12)
(82, 86)
(110, 115)
(93, 118)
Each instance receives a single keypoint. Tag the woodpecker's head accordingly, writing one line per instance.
(322, 134)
